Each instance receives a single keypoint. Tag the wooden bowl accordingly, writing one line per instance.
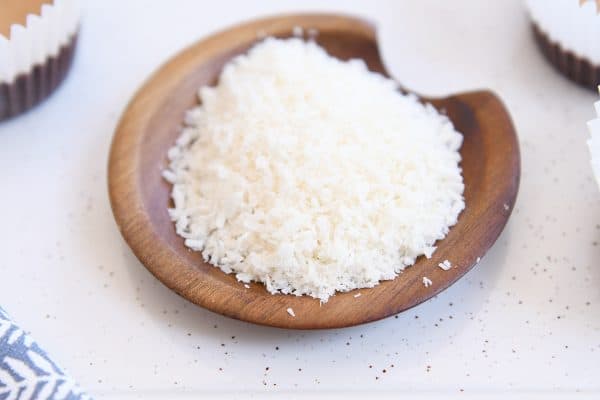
(140, 196)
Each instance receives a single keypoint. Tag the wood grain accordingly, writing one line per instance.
(140, 197)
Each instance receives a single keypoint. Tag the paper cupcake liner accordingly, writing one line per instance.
(36, 57)
(42, 37)
(594, 142)
(577, 68)
(28, 90)
(572, 24)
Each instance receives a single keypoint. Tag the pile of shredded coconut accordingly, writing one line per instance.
(311, 174)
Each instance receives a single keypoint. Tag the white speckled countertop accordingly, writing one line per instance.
(527, 319)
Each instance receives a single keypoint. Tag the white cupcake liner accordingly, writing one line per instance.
(41, 38)
(594, 141)
(574, 26)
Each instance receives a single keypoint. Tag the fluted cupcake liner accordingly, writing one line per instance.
(594, 142)
(576, 68)
(29, 89)
(35, 57)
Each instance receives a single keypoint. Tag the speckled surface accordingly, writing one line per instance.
(526, 319)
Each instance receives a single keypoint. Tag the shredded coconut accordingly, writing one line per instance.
(311, 174)
(445, 265)
(357, 295)
(291, 312)
(312, 33)
(427, 282)
(298, 31)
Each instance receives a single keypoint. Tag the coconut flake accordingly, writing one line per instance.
(445, 265)
(297, 170)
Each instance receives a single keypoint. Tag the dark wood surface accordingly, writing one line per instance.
(140, 197)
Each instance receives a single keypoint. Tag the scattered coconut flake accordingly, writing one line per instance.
(357, 295)
(506, 207)
(246, 286)
(445, 265)
(291, 312)
(298, 31)
(478, 259)
(427, 282)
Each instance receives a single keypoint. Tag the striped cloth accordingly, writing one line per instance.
(26, 371)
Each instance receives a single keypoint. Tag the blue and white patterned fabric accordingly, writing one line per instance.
(26, 371)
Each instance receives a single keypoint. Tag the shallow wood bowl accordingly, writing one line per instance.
(140, 197)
